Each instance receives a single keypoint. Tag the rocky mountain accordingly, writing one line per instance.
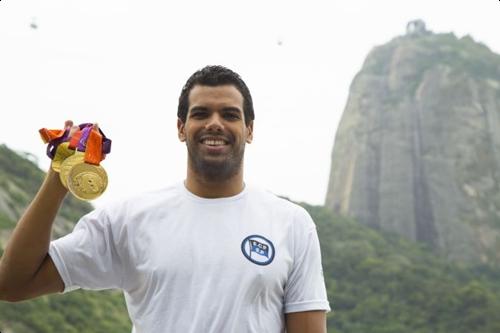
(417, 151)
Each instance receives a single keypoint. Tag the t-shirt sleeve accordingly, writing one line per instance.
(87, 257)
(305, 289)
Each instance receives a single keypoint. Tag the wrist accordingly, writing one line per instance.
(54, 182)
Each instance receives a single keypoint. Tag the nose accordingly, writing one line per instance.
(214, 122)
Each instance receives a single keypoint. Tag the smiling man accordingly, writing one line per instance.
(208, 254)
(215, 129)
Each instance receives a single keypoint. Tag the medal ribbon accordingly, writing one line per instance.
(86, 139)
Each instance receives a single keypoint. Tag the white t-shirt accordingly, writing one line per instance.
(191, 264)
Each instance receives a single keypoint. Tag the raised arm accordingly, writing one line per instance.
(26, 270)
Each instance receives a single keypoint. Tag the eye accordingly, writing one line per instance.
(198, 114)
(232, 115)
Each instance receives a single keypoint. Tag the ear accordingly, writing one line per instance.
(250, 132)
(181, 132)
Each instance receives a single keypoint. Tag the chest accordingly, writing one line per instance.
(209, 247)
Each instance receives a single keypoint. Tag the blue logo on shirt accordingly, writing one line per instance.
(258, 249)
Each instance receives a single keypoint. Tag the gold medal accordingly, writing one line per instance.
(63, 151)
(87, 181)
(76, 154)
(68, 164)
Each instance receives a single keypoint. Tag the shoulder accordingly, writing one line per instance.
(140, 204)
(281, 205)
(267, 197)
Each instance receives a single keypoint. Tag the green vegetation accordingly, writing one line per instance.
(5, 222)
(76, 312)
(21, 178)
(416, 55)
(377, 283)
(381, 283)
(464, 54)
(19, 170)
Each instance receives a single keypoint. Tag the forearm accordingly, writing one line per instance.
(29, 242)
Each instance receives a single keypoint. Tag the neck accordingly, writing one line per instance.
(206, 188)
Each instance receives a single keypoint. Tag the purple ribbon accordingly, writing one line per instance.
(82, 143)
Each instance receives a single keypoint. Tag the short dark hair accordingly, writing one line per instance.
(215, 76)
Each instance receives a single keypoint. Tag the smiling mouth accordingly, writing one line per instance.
(214, 141)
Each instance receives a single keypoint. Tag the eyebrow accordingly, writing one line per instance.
(198, 108)
(232, 109)
(225, 109)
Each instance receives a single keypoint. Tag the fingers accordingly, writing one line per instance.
(73, 130)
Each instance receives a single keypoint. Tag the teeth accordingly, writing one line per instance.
(214, 142)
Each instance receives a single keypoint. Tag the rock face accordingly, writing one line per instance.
(20, 179)
(417, 151)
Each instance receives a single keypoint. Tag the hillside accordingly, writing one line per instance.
(381, 283)
(78, 311)
(377, 283)
(20, 178)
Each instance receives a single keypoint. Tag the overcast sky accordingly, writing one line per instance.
(122, 64)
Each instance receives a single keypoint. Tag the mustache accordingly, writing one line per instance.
(214, 135)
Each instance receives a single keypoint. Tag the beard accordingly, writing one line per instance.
(219, 167)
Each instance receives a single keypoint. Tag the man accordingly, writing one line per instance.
(210, 254)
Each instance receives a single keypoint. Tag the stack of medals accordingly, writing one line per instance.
(77, 159)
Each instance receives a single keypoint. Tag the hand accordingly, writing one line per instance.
(72, 128)
(63, 151)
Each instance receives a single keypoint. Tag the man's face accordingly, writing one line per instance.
(215, 132)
